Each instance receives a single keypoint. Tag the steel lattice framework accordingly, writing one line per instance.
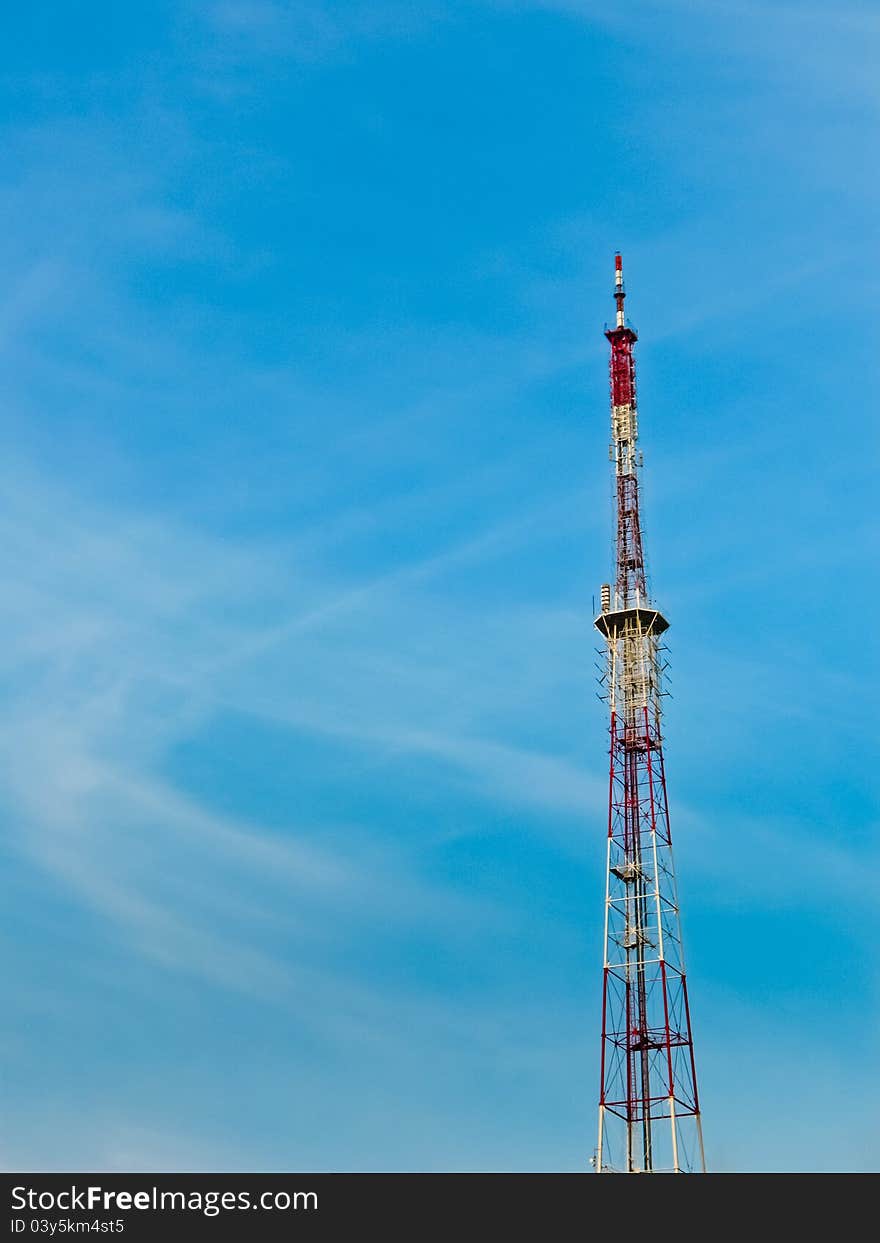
(649, 1113)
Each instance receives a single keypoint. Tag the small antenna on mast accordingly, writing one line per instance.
(619, 291)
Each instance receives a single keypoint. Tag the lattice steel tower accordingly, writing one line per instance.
(649, 1114)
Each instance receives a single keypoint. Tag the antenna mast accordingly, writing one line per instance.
(649, 1114)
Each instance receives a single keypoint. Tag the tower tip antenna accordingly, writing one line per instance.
(619, 291)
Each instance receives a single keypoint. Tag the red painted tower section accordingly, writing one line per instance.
(649, 1114)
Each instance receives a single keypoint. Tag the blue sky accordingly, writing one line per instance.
(305, 499)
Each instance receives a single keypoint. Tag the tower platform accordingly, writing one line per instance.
(644, 618)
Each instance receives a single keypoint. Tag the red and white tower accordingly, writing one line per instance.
(649, 1113)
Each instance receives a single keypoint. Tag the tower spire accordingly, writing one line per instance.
(619, 290)
(630, 586)
(649, 1115)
